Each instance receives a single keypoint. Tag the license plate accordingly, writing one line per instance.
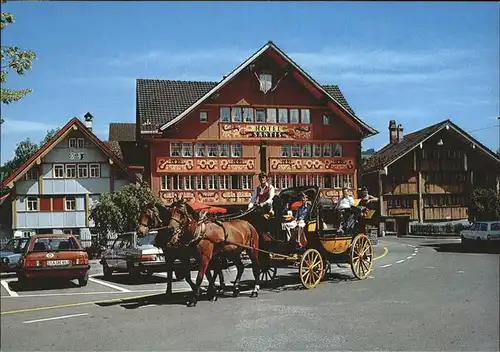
(57, 262)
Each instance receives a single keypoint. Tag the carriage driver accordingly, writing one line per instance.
(263, 195)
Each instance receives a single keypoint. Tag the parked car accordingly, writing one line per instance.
(133, 254)
(11, 253)
(481, 231)
(54, 256)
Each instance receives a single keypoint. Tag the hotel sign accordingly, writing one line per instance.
(257, 131)
(209, 197)
(201, 165)
(311, 165)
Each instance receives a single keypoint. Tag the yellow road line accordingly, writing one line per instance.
(71, 305)
(383, 254)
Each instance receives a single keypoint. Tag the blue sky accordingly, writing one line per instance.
(418, 63)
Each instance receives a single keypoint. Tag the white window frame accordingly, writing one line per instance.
(271, 115)
(203, 116)
(327, 150)
(266, 82)
(187, 150)
(92, 170)
(235, 117)
(177, 183)
(225, 114)
(224, 182)
(166, 183)
(283, 115)
(72, 143)
(32, 174)
(200, 182)
(246, 181)
(337, 181)
(70, 168)
(211, 182)
(212, 150)
(294, 115)
(58, 171)
(296, 153)
(32, 204)
(337, 150)
(70, 200)
(264, 117)
(317, 150)
(347, 180)
(224, 150)
(188, 182)
(200, 147)
(285, 150)
(306, 150)
(247, 114)
(327, 119)
(305, 116)
(80, 142)
(236, 150)
(82, 167)
(175, 149)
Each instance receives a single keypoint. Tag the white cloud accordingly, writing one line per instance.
(25, 126)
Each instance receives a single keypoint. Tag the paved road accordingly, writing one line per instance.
(423, 295)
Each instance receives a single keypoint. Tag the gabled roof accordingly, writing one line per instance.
(121, 131)
(393, 152)
(173, 105)
(73, 124)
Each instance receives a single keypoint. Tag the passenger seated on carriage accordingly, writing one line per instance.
(299, 221)
(343, 205)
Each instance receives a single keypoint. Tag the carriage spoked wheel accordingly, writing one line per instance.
(268, 274)
(311, 268)
(361, 256)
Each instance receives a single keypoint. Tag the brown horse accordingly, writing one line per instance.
(157, 217)
(213, 238)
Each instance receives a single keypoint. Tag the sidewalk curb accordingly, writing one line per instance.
(429, 237)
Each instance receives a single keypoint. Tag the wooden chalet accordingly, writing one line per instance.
(209, 140)
(428, 175)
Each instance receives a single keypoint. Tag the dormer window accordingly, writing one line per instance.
(266, 82)
(326, 120)
(203, 116)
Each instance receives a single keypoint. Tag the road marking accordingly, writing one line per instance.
(5, 285)
(55, 318)
(386, 265)
(430, 267)
(414, 254)
(81, 293)
(400, 261)
(409, 257)
(382, 255)
(109, 285)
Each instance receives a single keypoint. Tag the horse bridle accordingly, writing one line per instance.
(182, 226)
(158, 221)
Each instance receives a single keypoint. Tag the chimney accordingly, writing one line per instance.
(88, 120)
(400, 133)
(393, 133)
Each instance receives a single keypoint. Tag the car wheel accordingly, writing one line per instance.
(107, 272)
(83, 280)
(134, 272)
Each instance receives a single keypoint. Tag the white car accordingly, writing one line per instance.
(482, 231)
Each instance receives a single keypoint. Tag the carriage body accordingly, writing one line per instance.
(325, 244)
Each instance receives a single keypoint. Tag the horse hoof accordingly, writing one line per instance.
(254, 294)
(236, 293)
(191, 304)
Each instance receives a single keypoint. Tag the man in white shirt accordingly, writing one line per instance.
(262, 195)
(344, 203)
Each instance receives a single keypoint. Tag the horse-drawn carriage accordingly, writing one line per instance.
(210, 237)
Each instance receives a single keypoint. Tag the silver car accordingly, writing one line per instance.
(133, 254)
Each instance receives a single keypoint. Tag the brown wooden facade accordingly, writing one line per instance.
(432, 181)
(293, 131)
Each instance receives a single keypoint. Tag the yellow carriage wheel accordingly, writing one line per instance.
(361, 256)
(311, 268)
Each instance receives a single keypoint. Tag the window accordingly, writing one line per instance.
(224, 150)
(31, 175)
(177, 182)
(225, 114)
(213, 150)
(187, 149)
(203, 116)
(211, 182)
(285, 151)
(296, 150)
(283, 115)
(326, 120)
(72, 142)
(337, 150)
(246, 182)
(70, 170)
(200, 149)
(83, 171)
(81, 143)
(175, 149)
(224, 182)
(484, 227)
(305, 116)
(166, 182)
(306, 150)
(294, 115)
(271, 115)
(188, 182)
(283, 181)
(266, 82)
(247, 114)
(327, 150)
(236, 150)
(200, 182)
(495, 226)
(70, 203)
(95, 170)
(347, 181)
(236, 114)
(316, 150)
(32, 204)
(260, 115)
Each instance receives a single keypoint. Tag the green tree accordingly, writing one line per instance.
(118, 212)
(13, 59)
(485, 204)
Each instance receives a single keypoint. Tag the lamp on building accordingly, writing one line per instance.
(440, 142)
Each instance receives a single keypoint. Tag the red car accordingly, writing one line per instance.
(54, 256)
